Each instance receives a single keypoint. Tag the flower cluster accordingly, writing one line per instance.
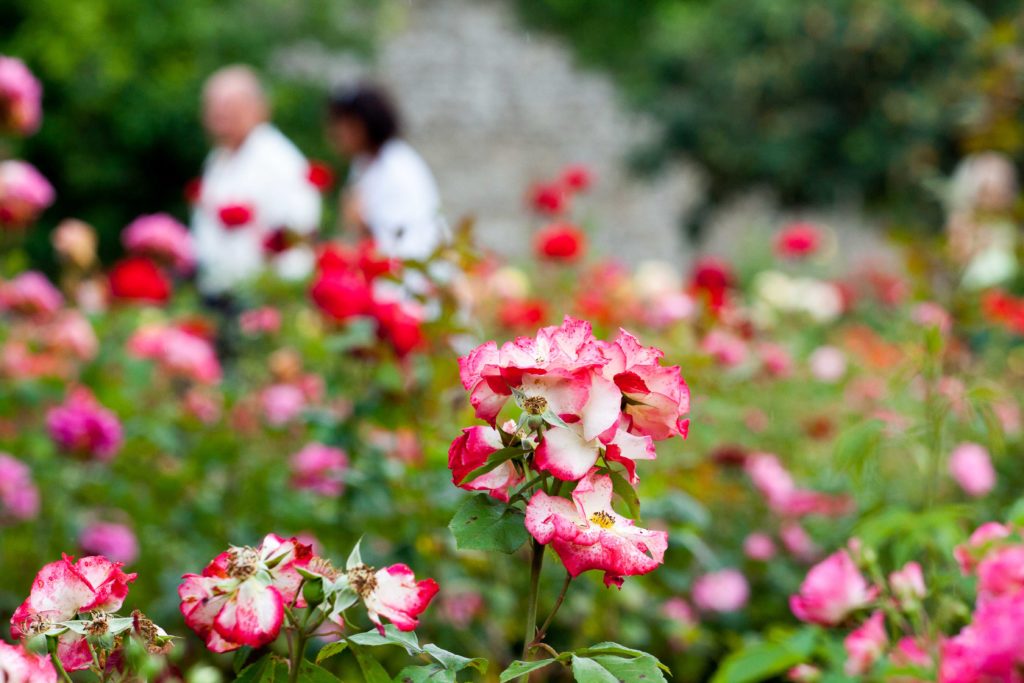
(553, 197)
(75, 604)
(347, 286)
(245, 595)
(163, 238)
(20, 97)
(588, 410)
(84, 427)
(30, 294)
(179, 352)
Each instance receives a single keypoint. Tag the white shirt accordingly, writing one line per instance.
(270, 176)
(399, 201)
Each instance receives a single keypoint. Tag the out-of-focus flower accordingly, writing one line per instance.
(18, 665)
(865, 645)
(725, 347)
(61, 591)
(710, 282)
(798, 240)
(778, 292)
(19, 497)
(137, 278)
(20, 97)
(114, 541)
(399, 322)
(832, 590)
(1001, 573)
(470, 451)
(84, 427)
(522, 314)
(265, 320)
(723, 591)
(203, 404)
(971, 467)
(775, 359)
(804, 673)
(179, 353)
(161, 237)
(240, 597)
(235, 216)
(341, 294)
(320, 469)
(282, 403)
(907, 584)
(460, 608)
(562, 242)
(984, 537)
(320, 175)
(30, 293)
(759, 546)
(990, 648)
(587, 533)
(931, 314)
(577, 178)
(75, 242)
(798, 542)
(782, 494)
(549, 199)
(827, 363)
(24, 193)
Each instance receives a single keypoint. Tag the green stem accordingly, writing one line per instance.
(536, 563)
(554, 610)
(297, 654)
(51, 646)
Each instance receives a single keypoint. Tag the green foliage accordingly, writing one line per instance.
(767, 659)
(816, 99)
(481, 523)
(121, 133)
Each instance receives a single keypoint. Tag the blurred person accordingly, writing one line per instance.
(390, 194)
(254, 187)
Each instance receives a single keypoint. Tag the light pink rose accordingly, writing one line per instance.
(907, 584)
(722, 591)
(832, 590)
(828, 364)
(759, 546)
(865, 645)
(19, 497)
(320, 469)
(115, 541)
(163, 238)
(971, 467)
(20, 97)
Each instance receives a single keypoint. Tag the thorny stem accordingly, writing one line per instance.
(51, 646)
(554, 610)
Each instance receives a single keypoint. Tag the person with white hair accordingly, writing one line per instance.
(255, 186)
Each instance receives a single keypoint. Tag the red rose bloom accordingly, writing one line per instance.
(560, 242)
(711, 279)
(398, 327)
(522, 314)
(278, 241)
(341, 294)
(139, 279)
(320, 175)
(798, 240)
(548, 198)
(577, 178)
(235, 215)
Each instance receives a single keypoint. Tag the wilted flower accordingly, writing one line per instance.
(112, 540)
(587, 533)
(162, 237)
(722, 591)
(84, 427)
(20, 97)
(832, 590)
(24, 193)
(19, 497)
(392, 593)
(972, 469)
(320, 469)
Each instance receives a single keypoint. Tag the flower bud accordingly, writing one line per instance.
(313, 592)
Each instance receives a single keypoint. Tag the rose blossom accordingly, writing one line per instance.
(828, 364)
(798, 240)
(162, 237)
(20, 97)
(179, 353)
(393, 593)
(320, 469)
(18, 665)
(722, 591)
(908, 583)
(82, 426)
(561, 242)
(984, 538)
(115, 541)
(725, 347)
(832, 590)
(1001, 572)
(30, 294)
(24, 193)
(971, 467)
(865, 645)
(470, 451)
(587, 533)
(759, 546)
(19, 497)
(137, 278)
(282, 403)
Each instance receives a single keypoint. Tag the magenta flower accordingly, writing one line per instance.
(1001, 572)
(19, 497)
(83, 427)
(470, 451)
(865, 645)
(588, 534)
(163, 238)
(759, 546)
(907, 584)
(24, 193)
(20, 97)
(832, 590)
(972, 469)
(30, 294)
(984, 538)
(240, 597)
(282, 403)
(320, 469)
(990, 648)
(722, 591)
(115, 541)
(17, 665)
(62, 590)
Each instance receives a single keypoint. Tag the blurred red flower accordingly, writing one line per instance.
(577, 178)
(798, 240)
(548, 198)
(139, 279)
(560, 242)
(235, 215)
(520, 314)
(320, 175)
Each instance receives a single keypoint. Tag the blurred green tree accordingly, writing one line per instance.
(820, 100)
(121, 79)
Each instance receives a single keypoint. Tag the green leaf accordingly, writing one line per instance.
(372, 670)
(518, 668)
(311, 673)
(493, 462)
(355, 558)
(645, 668)
(331, 649)
(238, 661)
(627, 493)
(590, 671)
(766, 659)
(855, 446)
(392, 636)
(431, 673)
(482, 523)
(264, 670)
(609, 648)
(454, 662)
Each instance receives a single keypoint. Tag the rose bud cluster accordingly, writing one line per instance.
(75, 604)
(588, 410)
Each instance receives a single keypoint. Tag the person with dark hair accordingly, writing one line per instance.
(391, 193)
